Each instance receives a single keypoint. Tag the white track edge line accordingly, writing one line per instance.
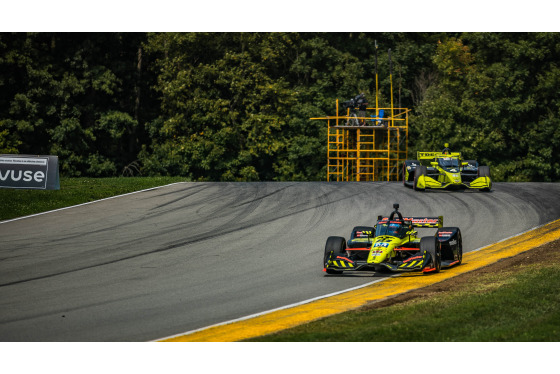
(89, 202)
(513, 236)
(276, 309)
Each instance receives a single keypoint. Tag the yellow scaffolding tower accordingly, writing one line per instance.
(367, 148)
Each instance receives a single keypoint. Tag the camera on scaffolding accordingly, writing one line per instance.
(349, 104)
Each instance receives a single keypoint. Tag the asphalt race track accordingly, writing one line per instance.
(189, 255)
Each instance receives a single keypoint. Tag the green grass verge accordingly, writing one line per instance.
(17, 203)
(519, 305)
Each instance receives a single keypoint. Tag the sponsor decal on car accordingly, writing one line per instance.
(427, 154)
(381, 245)
(425, 220)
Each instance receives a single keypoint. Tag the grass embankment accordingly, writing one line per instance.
(17, 203)
(516, 299)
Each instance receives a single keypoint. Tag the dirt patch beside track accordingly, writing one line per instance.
(544, 254)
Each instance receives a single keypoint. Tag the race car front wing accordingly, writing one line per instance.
(425, 181)
(416, 263)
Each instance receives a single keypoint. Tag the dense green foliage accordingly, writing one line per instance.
(236, 106)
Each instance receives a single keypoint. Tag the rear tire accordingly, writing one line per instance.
(364, 228)
(432, 245)
(420, 170)
(337, 246)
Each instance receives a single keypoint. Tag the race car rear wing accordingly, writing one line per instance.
(434, 222)
(429, 222)
(432, 155)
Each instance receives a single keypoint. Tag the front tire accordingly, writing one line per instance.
(431, 245)
(336, 245)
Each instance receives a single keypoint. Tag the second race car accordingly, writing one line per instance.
(447, 170)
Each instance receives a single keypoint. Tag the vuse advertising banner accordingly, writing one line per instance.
(29, 172)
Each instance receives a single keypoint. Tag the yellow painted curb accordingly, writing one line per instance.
(286, 318)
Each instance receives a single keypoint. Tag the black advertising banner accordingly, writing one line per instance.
(29, 172)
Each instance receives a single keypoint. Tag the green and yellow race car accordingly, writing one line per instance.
(447, 170)
(393, 245)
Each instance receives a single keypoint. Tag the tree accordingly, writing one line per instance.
(72, 95)
(222, 117)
